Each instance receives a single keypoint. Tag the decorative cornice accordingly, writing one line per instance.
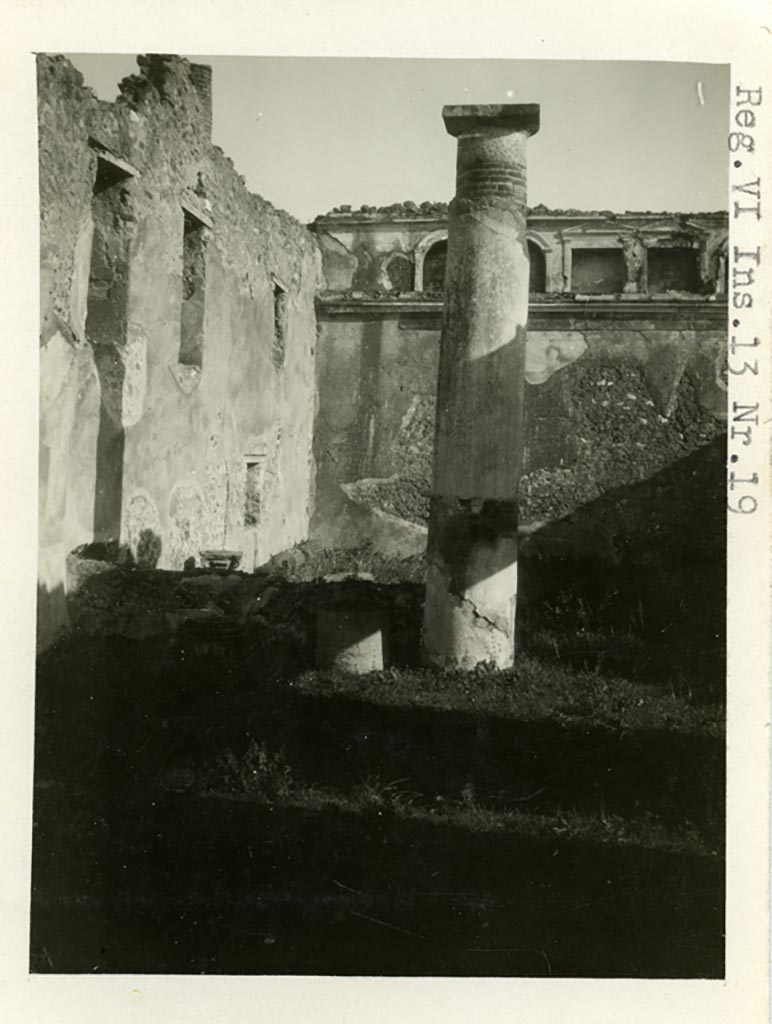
(543, 314)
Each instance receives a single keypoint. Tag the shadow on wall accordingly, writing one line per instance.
(148, 552)
(634, 582)
(111, 442)
(91, 560)
(356, 450)
(474, 538)
(341, 519)
(107, 329)
(606, 421)
(365, 431)
(630, 583)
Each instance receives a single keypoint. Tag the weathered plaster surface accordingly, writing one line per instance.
(154, 445)
(377, 368)
(640, 396)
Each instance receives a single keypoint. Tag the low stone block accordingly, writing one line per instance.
(350, 639)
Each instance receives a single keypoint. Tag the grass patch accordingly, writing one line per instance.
(395, 800)
(532, 691)
(207, 801)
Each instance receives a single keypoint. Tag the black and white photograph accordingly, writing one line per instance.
(391, 438)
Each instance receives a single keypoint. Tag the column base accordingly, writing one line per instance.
(458, 635)
(471, 585)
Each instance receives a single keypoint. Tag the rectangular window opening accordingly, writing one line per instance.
(674, 269)
(108, 282)
(107, 305)
(193, 292)
(597, 271)
(253, 492)
(280, 314)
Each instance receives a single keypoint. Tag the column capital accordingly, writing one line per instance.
(493, 118)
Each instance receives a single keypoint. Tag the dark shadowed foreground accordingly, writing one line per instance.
(207, 802)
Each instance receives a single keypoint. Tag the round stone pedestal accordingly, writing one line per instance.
(350, 639)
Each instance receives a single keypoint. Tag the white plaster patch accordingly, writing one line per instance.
(57, 360)
(186, 524)
(80, 276)
(135, 375)
(216, 492)
(58, 398)
(52, 567)
(546, 352)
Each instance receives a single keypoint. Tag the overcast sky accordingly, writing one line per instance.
(312, 133)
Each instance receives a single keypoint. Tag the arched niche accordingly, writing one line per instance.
(435, 261)
(424, 247)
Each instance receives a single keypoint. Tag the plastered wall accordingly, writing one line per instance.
(140, 448)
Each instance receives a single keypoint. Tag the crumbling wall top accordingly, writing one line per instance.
(427, 210)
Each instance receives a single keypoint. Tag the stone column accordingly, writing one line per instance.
(471, 585)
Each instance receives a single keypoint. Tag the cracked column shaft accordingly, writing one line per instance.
(471, 585)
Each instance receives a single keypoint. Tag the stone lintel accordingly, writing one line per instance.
(496, 118)
(123, 167)
(196, 211)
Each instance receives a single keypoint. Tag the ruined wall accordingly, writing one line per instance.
(645, 389)
(625, 361)
(177, 334)
(389, 250)
(69, 389)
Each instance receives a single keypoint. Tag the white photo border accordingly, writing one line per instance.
(710, 31)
